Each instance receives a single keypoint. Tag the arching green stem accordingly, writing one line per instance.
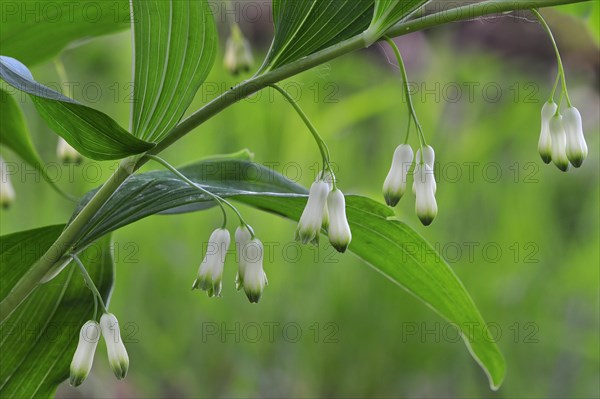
(561, 69)
(320, 142)
(90, 284)
(406, 86)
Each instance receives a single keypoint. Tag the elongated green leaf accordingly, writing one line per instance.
(36, 30)
(39, 338)
(390, 12)
(14, 135)
(303, 27)
(175, 47)
(91, 132)
(589, 12)
(389, 246)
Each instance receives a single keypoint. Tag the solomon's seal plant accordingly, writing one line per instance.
(174, 48)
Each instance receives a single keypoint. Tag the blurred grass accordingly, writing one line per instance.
(540, 291)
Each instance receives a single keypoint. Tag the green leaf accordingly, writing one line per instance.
(589, 12)
(14, 135)
(40, 336)
(389, 12)
(34, 31)
(175, 44)
(89, 131)
(303, 27)
(389, 246)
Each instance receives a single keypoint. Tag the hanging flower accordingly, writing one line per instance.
(89, 335)
(559, 143)
(7, 192)
(238, 53)
(66, 153)
(426, 205)
(255, 278)
(242, 236)
(312, 217)
(327, 177)
(117, 354)
(577, 149)
(394, 186)
(545, 142)
(429, 159)
(339, 230)
(210, 272)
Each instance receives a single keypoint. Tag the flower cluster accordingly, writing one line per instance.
(89, 335)
(424, 184)
(561, 138)
(251, 276)
(326, 208)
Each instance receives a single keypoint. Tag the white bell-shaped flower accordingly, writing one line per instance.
(426, 205)
(7, 192)
(559, 143)
(66, 153)
(89, 335)
(429, 159)
(577, 149)
(242, 236)
(312, 217)
(117, 354)
(545, 142)
(210, 272)
(339, 230)
(394, 185)
(255, 278)
(238, 52)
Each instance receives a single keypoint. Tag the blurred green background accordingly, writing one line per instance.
(522, 236)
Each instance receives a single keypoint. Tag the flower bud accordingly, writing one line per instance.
(545, 142)
(425, 206)
(255, 278)
(117, 354)
(339, 230)
(238, 53)
(210, 272)
(66, 153)
(89, 335)
(577, 149)
(312, 217)
(7, 192)
(559, 143)
(394, 186)
(242, 236)
(429, 159)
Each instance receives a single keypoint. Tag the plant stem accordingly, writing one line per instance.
(90, 283)
(313, 130)
(180, 175)
(561, 69)
(406, 87)
(36, 272)
(63, 244)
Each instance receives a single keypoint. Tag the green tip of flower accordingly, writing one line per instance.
(426, 219)
(576, 161)
(392, 199)
(253, 296)
(119, 368)
(305, 237)
(77, 378)
(340, 247)
(547, 158)
(562, 166)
